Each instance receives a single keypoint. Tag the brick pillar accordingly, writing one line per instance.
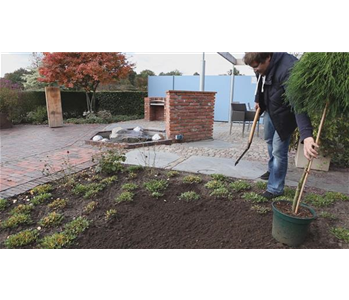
(189, 114)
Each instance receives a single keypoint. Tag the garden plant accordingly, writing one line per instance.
(319, 85)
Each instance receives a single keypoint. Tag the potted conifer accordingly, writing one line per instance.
(319, 86)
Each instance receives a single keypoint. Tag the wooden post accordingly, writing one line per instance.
(54, 106)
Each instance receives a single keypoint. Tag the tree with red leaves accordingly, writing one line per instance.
(84, 70)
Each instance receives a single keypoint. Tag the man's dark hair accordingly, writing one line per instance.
(258, 57)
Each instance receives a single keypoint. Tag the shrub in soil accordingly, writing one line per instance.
(22, 238)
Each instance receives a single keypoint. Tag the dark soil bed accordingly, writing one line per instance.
(168, 222)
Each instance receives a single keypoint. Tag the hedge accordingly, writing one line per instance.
(74, 103)
(122, 103)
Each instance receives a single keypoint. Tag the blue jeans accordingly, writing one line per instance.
(278, 157)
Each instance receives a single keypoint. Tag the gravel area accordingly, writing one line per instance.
(238, 143)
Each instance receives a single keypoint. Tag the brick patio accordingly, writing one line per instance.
(25, 149)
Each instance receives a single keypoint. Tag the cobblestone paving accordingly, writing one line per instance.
(257, 152)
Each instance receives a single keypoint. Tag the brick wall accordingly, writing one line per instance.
(153, 113)
(189, 114)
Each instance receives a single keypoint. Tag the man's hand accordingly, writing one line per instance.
(310, 148)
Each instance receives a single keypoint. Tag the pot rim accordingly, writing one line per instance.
(290, 216)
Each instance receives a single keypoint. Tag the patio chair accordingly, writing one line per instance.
(239, 113)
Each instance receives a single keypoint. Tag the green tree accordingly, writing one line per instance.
(31, 83)
(319, 85)
(132, 77)
(16, 76)
(236, 72)
(142, 79)
(172, 73)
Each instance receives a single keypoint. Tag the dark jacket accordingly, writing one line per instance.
(281, 114)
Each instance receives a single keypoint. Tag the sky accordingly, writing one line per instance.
(13, 61)
(186, 62)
